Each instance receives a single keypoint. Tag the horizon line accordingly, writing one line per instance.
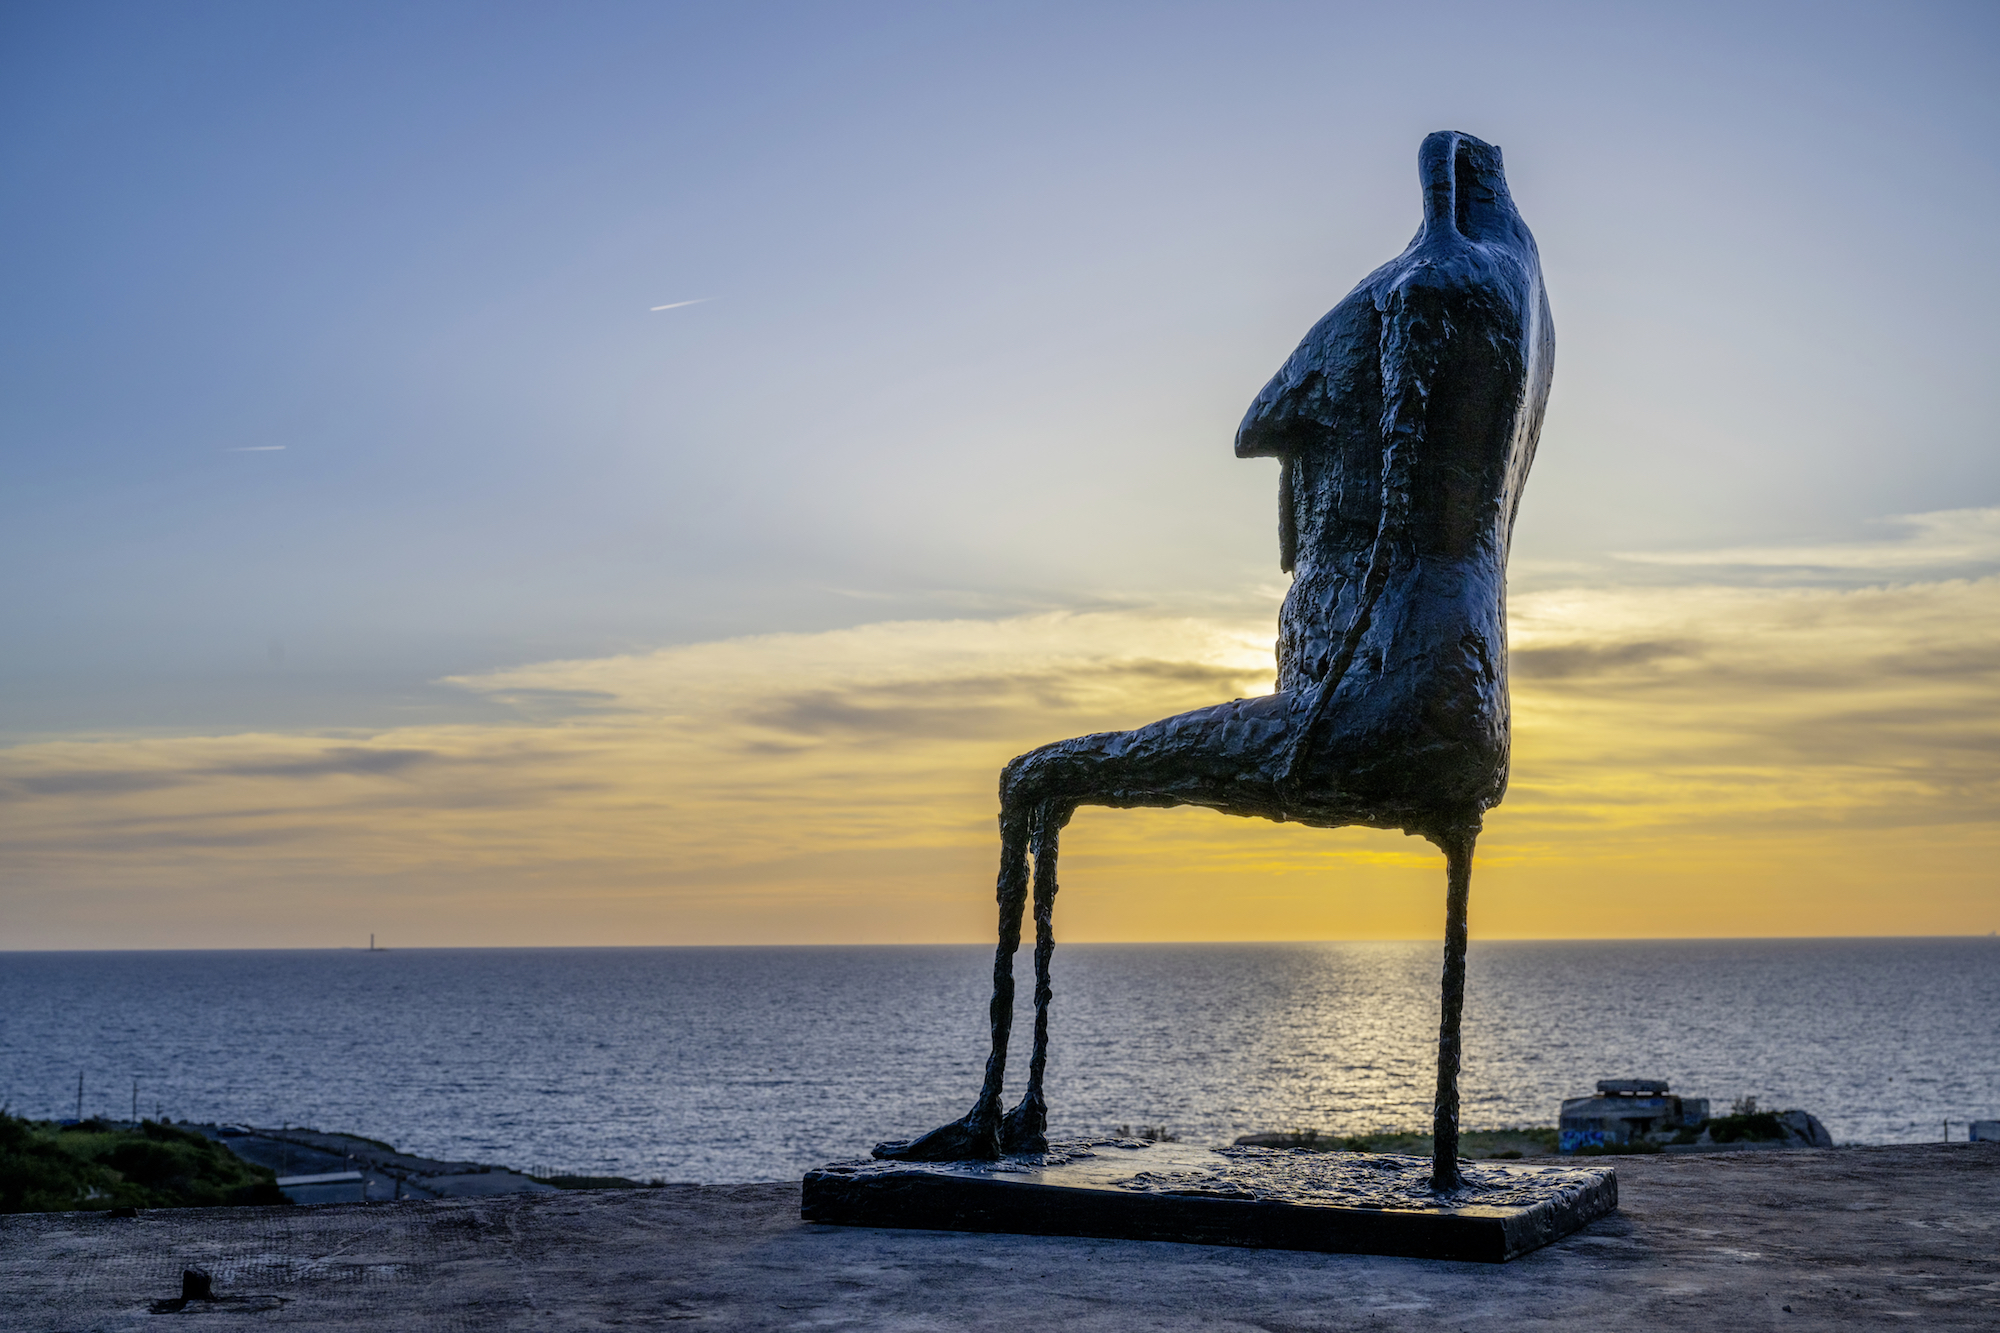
(972, 944)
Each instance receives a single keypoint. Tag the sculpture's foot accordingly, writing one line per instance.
(1026, 1127)
(975, 1137)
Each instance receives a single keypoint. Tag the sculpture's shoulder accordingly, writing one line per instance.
(1437, 287)
(1501, 267)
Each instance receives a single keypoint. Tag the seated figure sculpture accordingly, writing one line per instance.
(1405, 424)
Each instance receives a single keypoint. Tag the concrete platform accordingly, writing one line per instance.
(1262, 1198)
(1847, 1238)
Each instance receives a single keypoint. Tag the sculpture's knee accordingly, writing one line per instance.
(1055, 776)
(1022, 783)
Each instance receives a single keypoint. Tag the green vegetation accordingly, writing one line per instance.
(1505, 1144)
(1756, 1127)
(1150, 1133)
(46, 1169)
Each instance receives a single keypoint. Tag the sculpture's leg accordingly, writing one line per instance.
(1457, 847)
(976, 1134)
(1026, 1126)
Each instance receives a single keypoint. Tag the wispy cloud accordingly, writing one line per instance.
(256, 449)
(1741, 710)
(676, 305)
(1941, 539)
(341, 759)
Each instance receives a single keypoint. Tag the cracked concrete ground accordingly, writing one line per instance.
(1846, 1238)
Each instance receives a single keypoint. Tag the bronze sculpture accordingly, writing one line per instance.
(1405, 424)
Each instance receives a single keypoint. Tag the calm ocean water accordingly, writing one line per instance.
(755, 1063)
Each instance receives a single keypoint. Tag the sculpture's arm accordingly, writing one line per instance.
(1319, 385)
(1291, 412)
(1304, 405)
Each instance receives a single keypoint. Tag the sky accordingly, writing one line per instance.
(631, 473)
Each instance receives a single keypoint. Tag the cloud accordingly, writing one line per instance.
(86, 782)
(1566, 661)
(676, 305)
(1687, 760)
(257, 449)
(351, 760)
(1941, 539)
(348, 759)
(544, 704)
(1734, 708)
(687, 762)
(989, 705)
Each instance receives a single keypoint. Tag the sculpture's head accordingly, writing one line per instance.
(1465, 190)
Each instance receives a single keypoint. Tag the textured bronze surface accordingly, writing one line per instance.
(1281, 1199)
(1405, 424)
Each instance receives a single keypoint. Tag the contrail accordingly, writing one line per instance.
(255, 449)
(676, 305)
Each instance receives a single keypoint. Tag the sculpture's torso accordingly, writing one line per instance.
(1406, 422)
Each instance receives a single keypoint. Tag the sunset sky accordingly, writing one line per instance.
(631, 473)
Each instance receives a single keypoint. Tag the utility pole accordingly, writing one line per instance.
(135, 1103)
(79, 1094)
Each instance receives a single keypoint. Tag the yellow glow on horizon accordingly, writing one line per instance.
(1688, 761)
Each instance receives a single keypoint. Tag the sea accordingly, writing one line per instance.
(743, 1064)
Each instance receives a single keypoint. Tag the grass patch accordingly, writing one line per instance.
(46, 1169)
(1756, 1127)
(595, 1182)
(1479, 1144)
(1150, 1133)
